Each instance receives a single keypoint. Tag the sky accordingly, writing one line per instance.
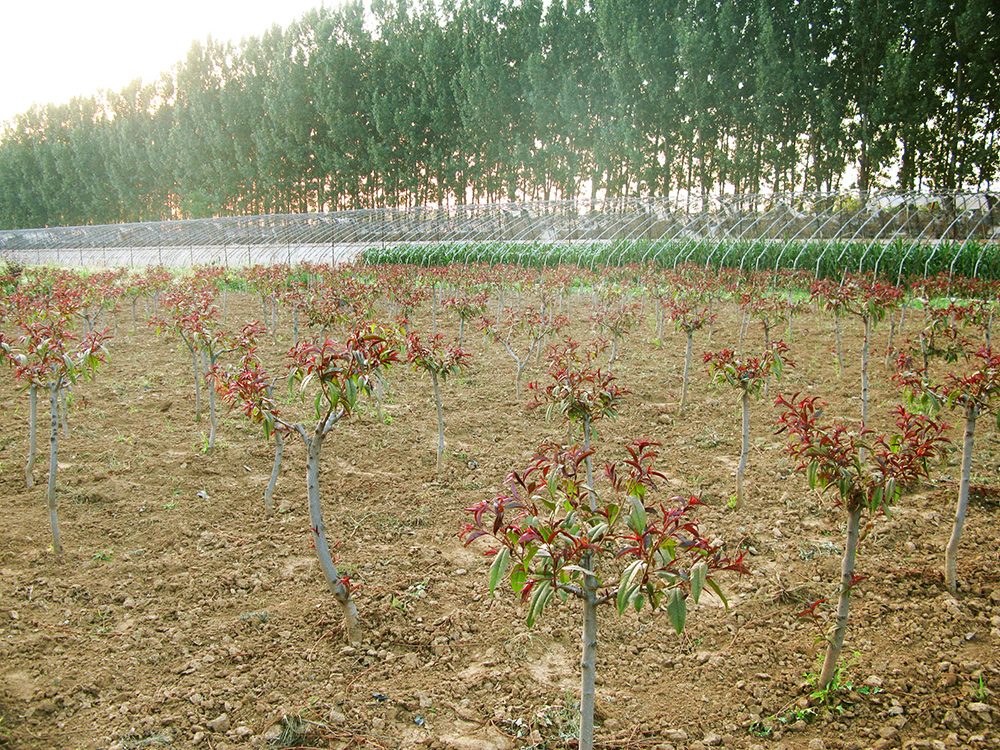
(54, 50)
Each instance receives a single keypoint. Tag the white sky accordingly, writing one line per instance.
(53, 50)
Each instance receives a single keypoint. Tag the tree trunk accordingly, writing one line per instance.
(864, 383)
(279, 448)
(440, 415)
(338, 588)
(54, 464)
(64, 412)
(836, 643)
(840, 348)
(588, 662)
(197, 383)
(29, 469)
(687, 370)
(962, 507)
(864, 373)
(213, 417)
(741, 470)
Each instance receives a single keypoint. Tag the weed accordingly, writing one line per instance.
(262, 617)
(412, 593)
(840, 682)
(982, 692)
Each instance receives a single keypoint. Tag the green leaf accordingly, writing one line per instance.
(518, 578)
(718, 592)
(699, 574)
(596, 533)
(677, 609)
(812, 474)
(539, 598)
(638, 514)
(351, 392)
(626, 589)
(877, 497)
(498, 568)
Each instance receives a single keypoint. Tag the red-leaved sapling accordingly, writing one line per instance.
(748, 375)
(869, 475)
(47, 355)
(439, 360)
(339, 373)
(553, 533)
(974, 390)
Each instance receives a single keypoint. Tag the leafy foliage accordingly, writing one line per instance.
(543, 527)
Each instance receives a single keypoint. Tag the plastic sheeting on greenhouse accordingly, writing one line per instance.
(746, 231)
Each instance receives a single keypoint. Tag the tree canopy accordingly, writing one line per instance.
(426, 102)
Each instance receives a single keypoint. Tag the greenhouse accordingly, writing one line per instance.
(889, 232)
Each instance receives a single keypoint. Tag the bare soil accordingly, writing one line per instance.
(180, 615)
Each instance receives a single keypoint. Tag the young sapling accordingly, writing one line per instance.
(748, 376)
(869, 474)
(974, 391)
(553, 533)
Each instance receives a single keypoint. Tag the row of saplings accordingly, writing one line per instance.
(556, 528)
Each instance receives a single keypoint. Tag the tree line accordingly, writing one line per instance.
(436, 101)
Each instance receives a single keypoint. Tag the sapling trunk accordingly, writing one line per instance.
(214, 419)
(687, 370)
(836, 643)
(434, 309)
(63, 412)
(892, 338)
(962, 506)
(521, 364)
(743, 327)
(840, 347)
(588, 660)
(440, 414)
(337, 587)
(279, 448)
(864, 371)
(741, 470)
(29, 469)
(207, 360)
(54, 388)
(864, 381)
(197, 382)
